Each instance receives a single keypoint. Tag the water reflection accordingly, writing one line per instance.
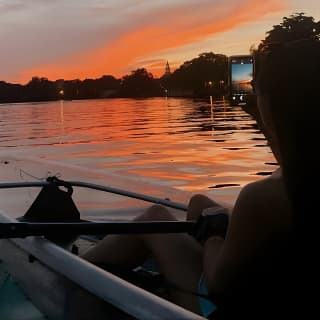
(189, 144)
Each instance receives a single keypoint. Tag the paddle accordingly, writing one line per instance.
(25, 229)
(88, 185)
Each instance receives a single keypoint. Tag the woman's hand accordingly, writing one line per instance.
(212, 222)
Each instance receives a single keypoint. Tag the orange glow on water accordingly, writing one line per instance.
(174, 142)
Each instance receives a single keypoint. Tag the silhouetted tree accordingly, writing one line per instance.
(140, 83)
(71, 89)
(296, 26)
(107, 86)
(87, 89)
(205, 75)
(39, 89)
(10, 92)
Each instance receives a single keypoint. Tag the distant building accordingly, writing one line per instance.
(167, 71)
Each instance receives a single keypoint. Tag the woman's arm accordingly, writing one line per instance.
(250, 225)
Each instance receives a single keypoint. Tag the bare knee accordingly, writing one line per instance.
(197, 204)
(156, 213)
(199, 199)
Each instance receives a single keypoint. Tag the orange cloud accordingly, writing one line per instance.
(179, 26)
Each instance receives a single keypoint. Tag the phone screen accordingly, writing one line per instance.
(241, 75)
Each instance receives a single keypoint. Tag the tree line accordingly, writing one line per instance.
(202, 76)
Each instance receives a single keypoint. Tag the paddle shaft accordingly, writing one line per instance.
(135, 195)
(58, 229)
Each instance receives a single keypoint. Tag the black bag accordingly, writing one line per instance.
(53, 204)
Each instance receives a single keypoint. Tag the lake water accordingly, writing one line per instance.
(185, 143)
(190, 145)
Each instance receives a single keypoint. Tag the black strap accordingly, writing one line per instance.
(146, 278)
(58, 182)
(150, 281)
(210, 225)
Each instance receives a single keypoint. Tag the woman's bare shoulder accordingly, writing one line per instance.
(265, 199)
(265, 189)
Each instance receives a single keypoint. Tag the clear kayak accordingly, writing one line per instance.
(52, 274)
(14, 304)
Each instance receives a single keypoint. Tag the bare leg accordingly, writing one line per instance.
(179, 256)
(197, 204)
(127, 250)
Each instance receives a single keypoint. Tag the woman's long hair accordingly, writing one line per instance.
(287, 75)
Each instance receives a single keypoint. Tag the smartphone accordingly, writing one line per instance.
(241, 68)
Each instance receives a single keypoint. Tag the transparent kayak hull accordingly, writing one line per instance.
(14, 304)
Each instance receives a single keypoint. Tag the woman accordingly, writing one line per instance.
(250, 270)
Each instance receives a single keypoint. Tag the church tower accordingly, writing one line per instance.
(167, 71)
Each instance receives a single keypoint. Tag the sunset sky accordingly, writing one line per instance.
(89, 38)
